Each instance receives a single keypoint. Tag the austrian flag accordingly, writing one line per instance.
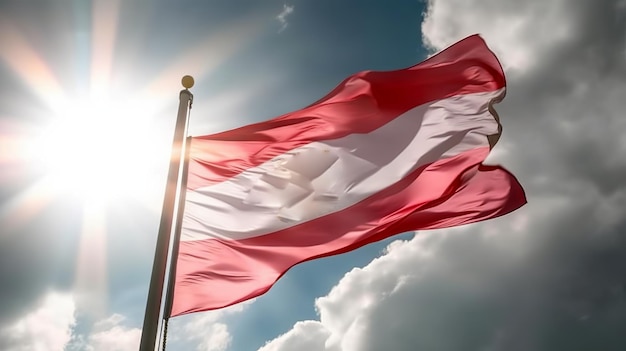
(383, 153)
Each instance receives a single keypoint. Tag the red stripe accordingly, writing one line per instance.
(360, 104)
(214, 273)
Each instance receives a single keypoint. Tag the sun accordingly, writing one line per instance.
(100, 135)
(102, 150)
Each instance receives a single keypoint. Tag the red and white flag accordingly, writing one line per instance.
(383, 153)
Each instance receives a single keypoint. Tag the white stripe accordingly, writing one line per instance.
(324, 177)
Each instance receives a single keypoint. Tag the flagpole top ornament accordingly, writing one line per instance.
(187, 82)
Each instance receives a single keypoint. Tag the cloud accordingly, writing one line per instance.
(47, 328)
(549, 276)
(111, 334)
(485, 287)
(51, 327)
(200, 331)
(305, 335)
(519, 32)
(207, 334)
(205, 331)
(282, 16)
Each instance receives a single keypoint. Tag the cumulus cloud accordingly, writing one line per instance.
(205, 331)
(549, 276)
(510, 285)
(207, 334)
(201, 331)
(282, 16)
(519, 32)
(47, 328)
(111, 334)
(305, 335)
(51, 327)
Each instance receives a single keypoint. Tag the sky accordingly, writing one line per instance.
(87, 109)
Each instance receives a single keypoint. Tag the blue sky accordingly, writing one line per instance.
(87, 110)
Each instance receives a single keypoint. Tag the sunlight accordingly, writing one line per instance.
(24, 61)
(207, 54)
(26, 204)
(90, 282)
(98, 141)
(105, 15)
(100, 149)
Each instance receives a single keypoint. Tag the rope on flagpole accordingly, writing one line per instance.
(165, 323)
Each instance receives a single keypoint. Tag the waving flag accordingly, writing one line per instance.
(383, 153)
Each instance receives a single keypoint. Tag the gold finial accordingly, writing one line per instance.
(187, 82)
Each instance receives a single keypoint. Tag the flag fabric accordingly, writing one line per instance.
(383, 153)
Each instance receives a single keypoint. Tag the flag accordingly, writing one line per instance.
(383, 153)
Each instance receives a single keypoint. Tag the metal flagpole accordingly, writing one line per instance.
(153, 304)
(171, 280)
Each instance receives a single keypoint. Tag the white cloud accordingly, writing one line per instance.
(520, 32)
(205, 331)
(549, 276)
(208, 335)
(305, 335)
(50, 327)
(282, 16)
(47, 328)
(201, 331)
(111, 335)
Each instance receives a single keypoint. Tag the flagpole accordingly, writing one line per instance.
(171, 279)
(155, 293)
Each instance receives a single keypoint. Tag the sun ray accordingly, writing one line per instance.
(22, 58)
(13, 143)
(206, 55)
(98, 143)
(105, 16)
(25, 205)
(90, 284)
